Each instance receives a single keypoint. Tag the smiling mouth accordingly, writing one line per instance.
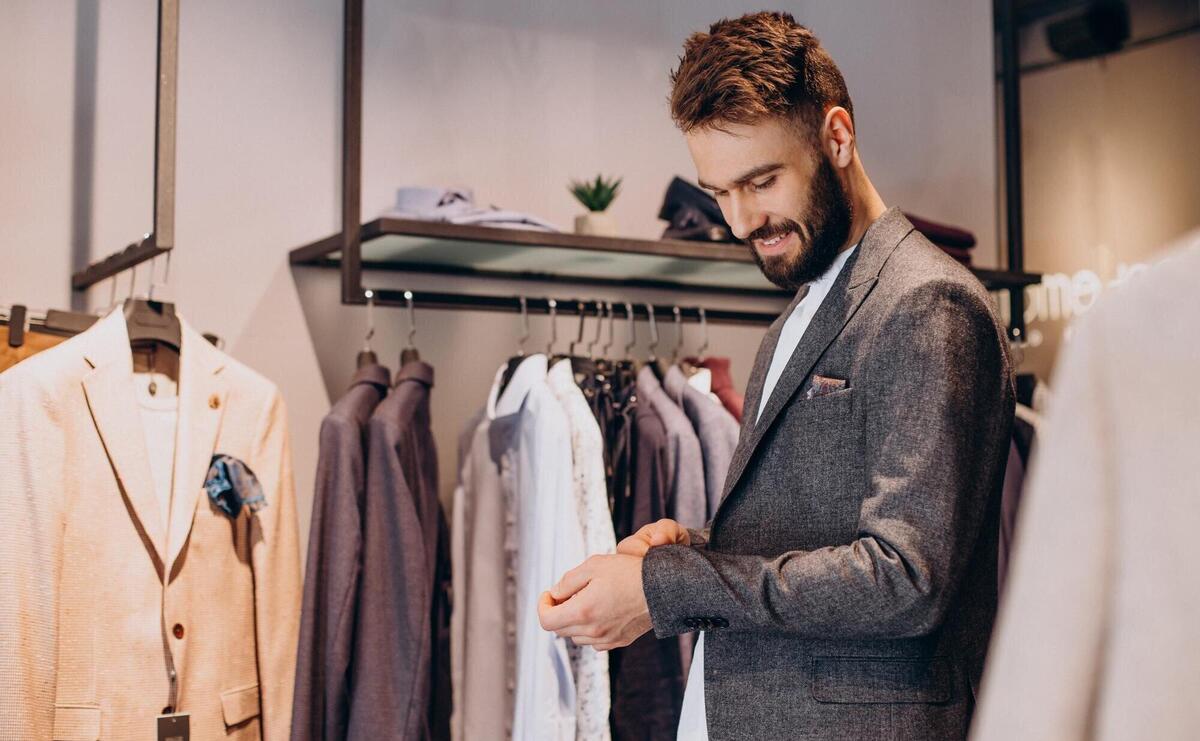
(775, 245)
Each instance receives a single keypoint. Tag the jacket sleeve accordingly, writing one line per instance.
(31, 452)
(275, 558)
(939, 408)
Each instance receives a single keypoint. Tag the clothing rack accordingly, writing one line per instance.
(19, 320)
(162, 238)
(562, 306)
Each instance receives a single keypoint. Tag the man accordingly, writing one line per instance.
(1098, 635)
(846, 586)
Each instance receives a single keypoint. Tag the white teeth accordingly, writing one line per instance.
(775, 241)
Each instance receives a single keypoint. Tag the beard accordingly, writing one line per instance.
(821, 232)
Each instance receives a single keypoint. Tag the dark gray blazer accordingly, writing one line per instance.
(321, 706)
(392, 673)
(848, 580)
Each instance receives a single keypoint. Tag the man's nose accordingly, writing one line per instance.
(743, 216)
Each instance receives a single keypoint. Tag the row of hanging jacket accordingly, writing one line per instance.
(373, 659)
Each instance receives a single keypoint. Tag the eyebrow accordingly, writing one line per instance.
(747, 177)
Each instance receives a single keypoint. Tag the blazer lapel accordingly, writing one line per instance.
(858, 277)
(113, 404)
(202, 397)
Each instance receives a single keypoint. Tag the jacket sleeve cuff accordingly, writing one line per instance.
(683, 591)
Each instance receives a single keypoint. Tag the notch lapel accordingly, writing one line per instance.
(113, 405)
(202, 398)
(858, 277)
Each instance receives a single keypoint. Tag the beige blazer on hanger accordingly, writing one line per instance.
(101, 589)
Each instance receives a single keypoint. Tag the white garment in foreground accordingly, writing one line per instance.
(693, 718)
(1097, 635)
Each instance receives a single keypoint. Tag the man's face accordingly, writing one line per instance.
(778, 193)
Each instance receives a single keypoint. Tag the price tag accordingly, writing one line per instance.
(174, 727)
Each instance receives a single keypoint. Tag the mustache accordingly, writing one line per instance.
(770, 231)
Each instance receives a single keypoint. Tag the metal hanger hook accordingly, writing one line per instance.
(632, 329)
(678, 333)
(553, 329)
(524, 326)
(653, 330)
(704, 327)
(608, 306)
(412, 318)
(599, 327)
(370, 296)
(580, 307)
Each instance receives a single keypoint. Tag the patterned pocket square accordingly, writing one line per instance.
(231, 485)
(822, 385)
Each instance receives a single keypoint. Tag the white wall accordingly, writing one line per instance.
(512, 98)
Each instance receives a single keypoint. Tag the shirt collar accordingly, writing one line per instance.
(531, 370)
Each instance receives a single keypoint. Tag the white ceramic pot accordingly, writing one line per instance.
(596, 223)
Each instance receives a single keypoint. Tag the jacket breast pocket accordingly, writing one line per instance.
(880, 680)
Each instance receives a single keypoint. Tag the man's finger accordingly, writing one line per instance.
(634, 545)
(571, 582)
(557, 617)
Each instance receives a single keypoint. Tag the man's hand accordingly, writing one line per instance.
(599, 603)
(663, 532)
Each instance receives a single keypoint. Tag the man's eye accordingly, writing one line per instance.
(763, 185)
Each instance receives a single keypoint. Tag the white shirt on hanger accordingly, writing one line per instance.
(160, 418)
(693, 720)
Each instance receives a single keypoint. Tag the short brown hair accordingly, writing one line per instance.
(750, 68)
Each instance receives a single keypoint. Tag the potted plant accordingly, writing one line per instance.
(596, 196)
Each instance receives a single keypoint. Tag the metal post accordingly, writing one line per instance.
(352, 63)
(164, 124)
(1011, 93)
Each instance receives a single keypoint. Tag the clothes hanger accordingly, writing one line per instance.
(652, 359)
(691, 364)
(155, 334)
(552, 305)
(678, 334)
(409, 354)
(511, 366)
(599, 328)
(151, 322)
(367, 356)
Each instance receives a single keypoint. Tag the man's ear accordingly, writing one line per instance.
(838, 136)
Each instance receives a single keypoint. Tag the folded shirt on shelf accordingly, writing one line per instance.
(457, 206)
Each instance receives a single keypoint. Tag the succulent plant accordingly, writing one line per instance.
(596, 195)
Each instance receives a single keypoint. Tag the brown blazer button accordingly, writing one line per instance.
(214, 402)
(177, 631)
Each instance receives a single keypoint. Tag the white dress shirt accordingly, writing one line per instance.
(693, 720)
(536, 469)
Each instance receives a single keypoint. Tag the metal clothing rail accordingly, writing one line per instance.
(162, 239)
(563, 306)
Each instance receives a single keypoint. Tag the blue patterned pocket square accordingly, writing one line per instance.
(231, 485)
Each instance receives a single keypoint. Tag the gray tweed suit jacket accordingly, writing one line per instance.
(848, 580)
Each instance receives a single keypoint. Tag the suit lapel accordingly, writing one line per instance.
(858, 277)
(113, 404)
(202, 398)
